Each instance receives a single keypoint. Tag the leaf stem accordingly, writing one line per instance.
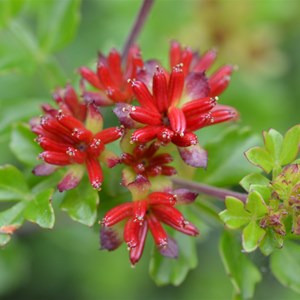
(209, 190)
(138, 25)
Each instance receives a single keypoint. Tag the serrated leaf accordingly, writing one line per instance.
(165, 271)
(260, 157)
(243, 274)
(54, 34)
(253, 178)
(23, 146)
(252, 235)
(290, 145)
(227, 164)
(235, 215)
(81, 204)
(12, 184)
(285, 265)
(40, 210)
(256, 205)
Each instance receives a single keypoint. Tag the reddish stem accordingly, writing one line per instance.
(138, 25)
(201, 188)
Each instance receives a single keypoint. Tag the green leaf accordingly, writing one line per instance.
(270, 242)
(235, 215)
(4, 239)
(260, 157)
(253, 178)
(290, 145)
(243, 274)
(81, 204)
(256, 205)
(12, 184)
(285, 265)
(227, 164)
(264, 191)
(55, 33)
(40, 210)
(165, 270)
(23, 146)
(252, 235)
(273, 143)
(8, 9)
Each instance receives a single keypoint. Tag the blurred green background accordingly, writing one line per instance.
(42, 42)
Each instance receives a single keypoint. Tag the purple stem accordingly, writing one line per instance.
(138, 25)
(218, 193)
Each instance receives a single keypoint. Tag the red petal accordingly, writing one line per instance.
(105, 76)
(109, 135)
(177, 120)
(95, 172)
(139, 210)
(205, 62)
(161, 159)
(150, 151)
(145, 116)
(217, 87)
(56, 158)
(185, 140)
(91, 77)
(169, 215)
(186, 59)
(175, 54)
(117, 214)
(199, 106)
(145, 134)
(136, 252)
(114, 64)
(143, 95)
(176, 84)
(160, 198)
(131, 233)
(188, 229)
(165, 135)
(95, 147)
(222, 72)
(158, 232)
(160, 90)
(52, 145)
(168, 171)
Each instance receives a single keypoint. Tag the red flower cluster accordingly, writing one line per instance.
(172, 105)
(148, 214)
(111, 79)
(72, 136)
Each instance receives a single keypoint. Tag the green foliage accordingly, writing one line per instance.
(243, 274)
(165, 271)
(285, 265)
(36, 208)
(228, 166)
(81, 204)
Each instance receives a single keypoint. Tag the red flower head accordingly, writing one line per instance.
(111, 78)
(72, 136)
(192, 62)
(176, 106)
(149, 212)
(144, 160)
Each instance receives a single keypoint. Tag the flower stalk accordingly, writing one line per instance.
(137, 27)
(209, 190)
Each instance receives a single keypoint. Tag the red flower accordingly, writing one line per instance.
(72, 136)
(145, 161)
(111, 78)
(192, 62)
(176, 106)
(147, 214)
